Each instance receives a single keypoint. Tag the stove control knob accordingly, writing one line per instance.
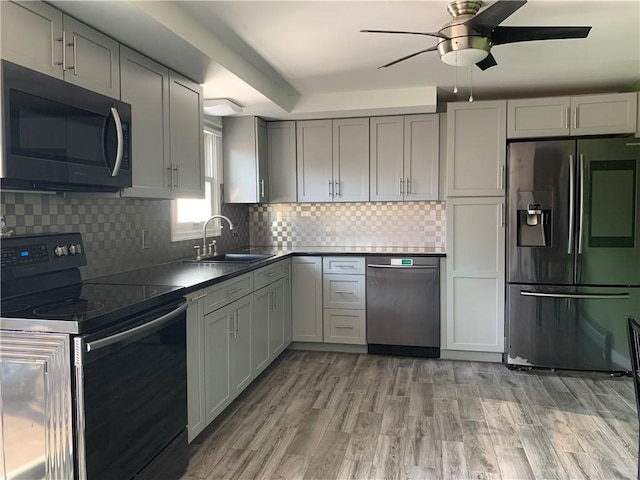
(75, 249)
(61, 251)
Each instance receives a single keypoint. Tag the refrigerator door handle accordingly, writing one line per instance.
(593, 296)
(572, 196)
(581, 220)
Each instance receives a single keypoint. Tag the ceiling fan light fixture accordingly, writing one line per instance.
(464, 58)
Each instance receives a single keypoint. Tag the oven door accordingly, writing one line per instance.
(61, 136)
(131, 397)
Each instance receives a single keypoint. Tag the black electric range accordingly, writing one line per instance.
(42, 289)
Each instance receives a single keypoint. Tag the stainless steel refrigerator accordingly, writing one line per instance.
(573, 261)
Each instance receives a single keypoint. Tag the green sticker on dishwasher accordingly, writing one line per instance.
(407, 261)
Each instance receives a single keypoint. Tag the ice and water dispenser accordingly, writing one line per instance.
(533, 222)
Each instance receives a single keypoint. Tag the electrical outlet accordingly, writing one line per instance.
(146, 234)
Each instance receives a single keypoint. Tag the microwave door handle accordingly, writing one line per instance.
(118, 122)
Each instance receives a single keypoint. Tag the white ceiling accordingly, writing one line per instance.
(297, 59)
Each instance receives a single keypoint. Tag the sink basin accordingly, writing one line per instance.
(234, 258)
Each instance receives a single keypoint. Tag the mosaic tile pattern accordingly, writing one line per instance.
(111, 228)
(376, 224)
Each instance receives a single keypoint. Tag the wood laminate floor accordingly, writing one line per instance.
(317, 415)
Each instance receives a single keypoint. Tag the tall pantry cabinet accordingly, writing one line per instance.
(476, 162)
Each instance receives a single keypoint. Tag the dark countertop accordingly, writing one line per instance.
(194, 276)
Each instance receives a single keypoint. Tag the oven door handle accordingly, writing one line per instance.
(120, 136)
(153, 325)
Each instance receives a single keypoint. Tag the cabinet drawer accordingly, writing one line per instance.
(344, 265)
(269, 274)
(345, 326)
(344, 291)
(224, 293)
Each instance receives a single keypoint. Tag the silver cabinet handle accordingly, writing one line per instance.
(195, 299)
(74, 44)
(237, 323)
(230, 318)
(330, 188)
(262, 188)
(601, 296)
(342, 292)
(581, 219)
(408, 186)
(566, 118)
(120, 136)
(401, 186)
(575, 118)
(271, 274)
(419, 267)
(572, 195)
(170, 177)
(350, 327)
(337, 187)
(157, 323)
(177, 172)
(503, 176)
(235, 290)
(62, 39)
(502, 214)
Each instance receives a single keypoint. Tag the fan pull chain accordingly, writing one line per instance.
(455, 86)
(471, 94)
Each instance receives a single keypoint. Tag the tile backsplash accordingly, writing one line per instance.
(111, 228)
(363, 224)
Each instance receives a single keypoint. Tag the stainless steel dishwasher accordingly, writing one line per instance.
(403, 306)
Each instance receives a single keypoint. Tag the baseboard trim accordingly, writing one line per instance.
(328, 347)
(471, 356)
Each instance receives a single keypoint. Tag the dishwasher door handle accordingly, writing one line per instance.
(419, 267)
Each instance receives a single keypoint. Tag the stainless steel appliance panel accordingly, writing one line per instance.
(580, 328)
(541, 173)
(403, 302)
(608, 227)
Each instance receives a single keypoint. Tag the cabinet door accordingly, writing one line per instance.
(260, 345)
(476, 148)
(306, 299)
(93, 59)
(475, 274)
(286, 303)
(345, 326)
(538, 117)
(604, 114)
(281, 161)
(196, 412)
(277, 318)
(314, 160)
(218, 327)
(145, 85)
(186, 137)
(240, 371)
(351, 160)
(244, 158)
(31, 36)
(263, 177)
(343, 291)
(421, 156)
(387, 158)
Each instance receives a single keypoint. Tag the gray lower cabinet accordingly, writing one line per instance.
(196, 413)
(40, 37)
(240, 368)
(306, 299)
(218, 327)
(260, 340)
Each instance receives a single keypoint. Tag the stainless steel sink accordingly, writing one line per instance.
(233, 258)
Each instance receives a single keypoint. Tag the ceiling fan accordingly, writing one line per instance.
(469, 36)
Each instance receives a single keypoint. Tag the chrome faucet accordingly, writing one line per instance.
(204, 233)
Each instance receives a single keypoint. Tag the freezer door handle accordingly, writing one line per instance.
(572, 196)
(589, 296)
(581, 220)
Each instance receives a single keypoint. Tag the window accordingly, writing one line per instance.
(188, 215)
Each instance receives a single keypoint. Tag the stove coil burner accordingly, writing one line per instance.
(65, 309)
(14, 307)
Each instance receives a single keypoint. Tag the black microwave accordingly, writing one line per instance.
(58, 136)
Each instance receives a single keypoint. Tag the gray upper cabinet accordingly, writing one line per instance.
(38, 36)
(281, 161)
(314, 160)
(576, 115)
(244, 153)
(333, 160)
(404, 157)
(91, 60)
(186, 138)
(476, 148)
(31, 36)
(350, 160)
(145, 85)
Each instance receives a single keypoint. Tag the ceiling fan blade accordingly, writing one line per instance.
(487, 20)
(429, 34)
(502, 35)
(431, 49)
(488, 62)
